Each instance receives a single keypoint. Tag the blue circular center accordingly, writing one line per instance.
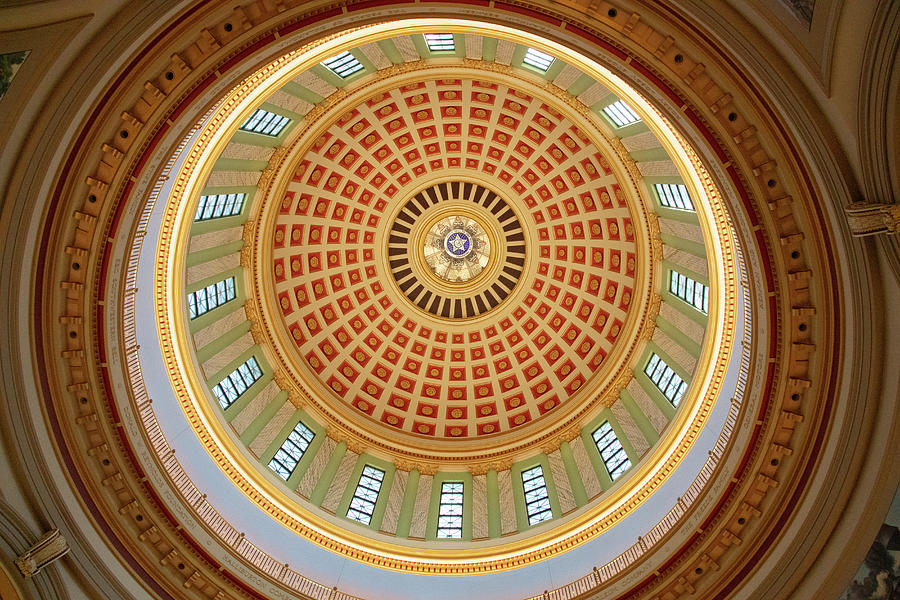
(457, 243)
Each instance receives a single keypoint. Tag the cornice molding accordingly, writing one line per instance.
(756, 161)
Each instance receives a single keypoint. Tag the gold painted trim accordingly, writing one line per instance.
(203, 417)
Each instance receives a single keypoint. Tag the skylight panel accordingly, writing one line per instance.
(212, 296)
(621, 114)
(343, 65)
(285, 460)
(265, 123)
(665, 379)
(362, 506)
(218, 206)
(537, 59)
(450, 514)
(674, 195)
(611, 451)
(537, 501)
(440, 42)
(237, 382)
(693, 292)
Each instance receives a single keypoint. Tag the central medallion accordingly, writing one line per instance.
(458, 243)
(456, 249)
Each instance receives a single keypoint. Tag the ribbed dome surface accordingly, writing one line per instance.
(446, 271)
(441, 359)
